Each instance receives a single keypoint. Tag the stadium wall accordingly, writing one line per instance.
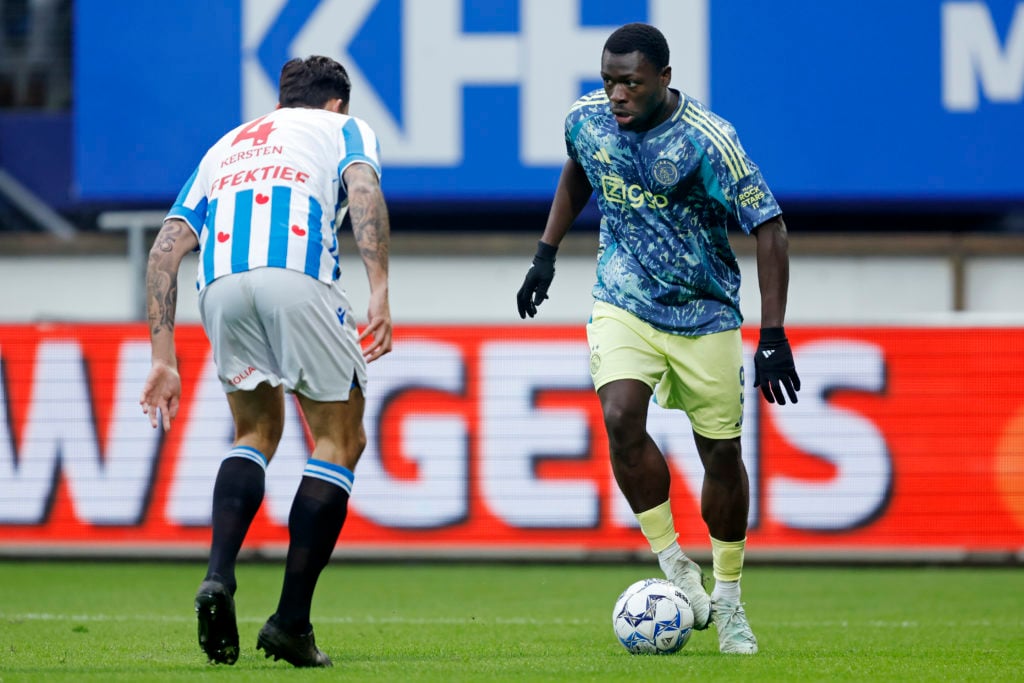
(485, 438)
(487, 441)
(472, 278)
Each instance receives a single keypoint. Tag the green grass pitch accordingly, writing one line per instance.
(410, 622)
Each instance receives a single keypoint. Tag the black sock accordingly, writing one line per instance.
(237, 495)
(314, 523)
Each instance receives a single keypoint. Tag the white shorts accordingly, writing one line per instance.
(283, 327)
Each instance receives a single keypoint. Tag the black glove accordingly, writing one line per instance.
(774, 368)
(538, 279)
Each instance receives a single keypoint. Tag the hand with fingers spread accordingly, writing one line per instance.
(774, 369)
(538, 279)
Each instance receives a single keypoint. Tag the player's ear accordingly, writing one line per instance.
(666, 76)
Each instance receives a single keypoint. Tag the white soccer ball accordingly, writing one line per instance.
(652, 617)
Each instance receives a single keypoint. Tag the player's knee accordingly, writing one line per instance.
(722, 458)
(623, 424)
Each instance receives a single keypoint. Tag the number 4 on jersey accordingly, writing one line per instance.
(257, 131)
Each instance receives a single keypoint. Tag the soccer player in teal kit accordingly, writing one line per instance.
(671, 179)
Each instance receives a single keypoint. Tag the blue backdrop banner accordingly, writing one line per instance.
(871, 101)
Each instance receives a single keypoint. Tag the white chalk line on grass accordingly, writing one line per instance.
(449, 621)
(366, 619)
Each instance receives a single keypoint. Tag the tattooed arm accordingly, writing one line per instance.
(162, 390)
(372, 230)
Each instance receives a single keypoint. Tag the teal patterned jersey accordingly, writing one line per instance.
(668, 197)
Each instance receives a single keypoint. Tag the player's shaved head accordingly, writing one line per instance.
(311, 82)
(642, 38)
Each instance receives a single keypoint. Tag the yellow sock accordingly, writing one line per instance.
(658, 526)
(727, 559)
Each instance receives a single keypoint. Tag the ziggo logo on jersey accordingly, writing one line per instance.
(616, 190)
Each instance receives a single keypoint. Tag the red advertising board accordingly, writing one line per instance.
(489, 439)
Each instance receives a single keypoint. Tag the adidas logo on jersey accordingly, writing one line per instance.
(602, 156)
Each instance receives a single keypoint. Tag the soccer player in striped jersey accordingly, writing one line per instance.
(671, 179)
(263, 208)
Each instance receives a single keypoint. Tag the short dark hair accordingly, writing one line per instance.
(642, 38)
(311, 82)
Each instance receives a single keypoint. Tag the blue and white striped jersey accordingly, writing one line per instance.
(270, 193)
(668, 197)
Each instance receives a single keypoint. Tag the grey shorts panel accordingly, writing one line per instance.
(285, 328)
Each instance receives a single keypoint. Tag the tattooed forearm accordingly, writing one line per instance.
(163, 298)
(370, 225)
(162, 278)
(369, 215)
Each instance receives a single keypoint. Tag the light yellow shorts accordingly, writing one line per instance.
(702, 376)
